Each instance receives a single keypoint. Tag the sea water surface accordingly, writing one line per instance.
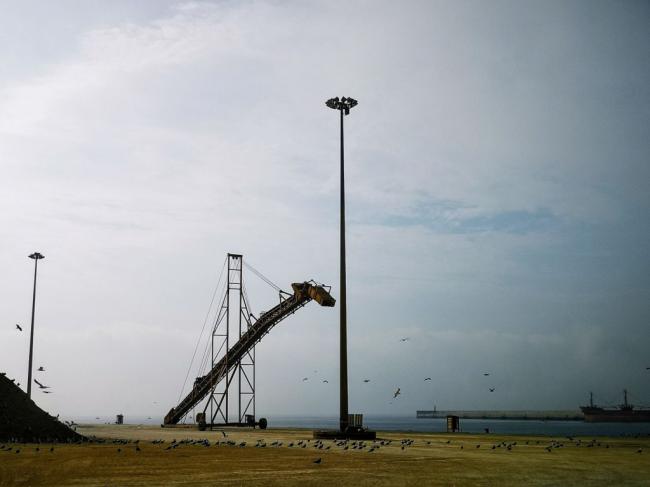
(438, 425)
(497, 426)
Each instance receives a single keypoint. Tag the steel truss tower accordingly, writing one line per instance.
(234, 311)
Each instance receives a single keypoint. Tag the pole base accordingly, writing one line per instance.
(350, 434)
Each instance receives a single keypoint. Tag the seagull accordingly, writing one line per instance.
(397, 393)
(326, 381)
(18, 327)
(366, 380)
(428, 378)
(41, 369)
(41, 385)
(405, 339)
(492, 389)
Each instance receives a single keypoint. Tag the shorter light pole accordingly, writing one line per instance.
(36, 256)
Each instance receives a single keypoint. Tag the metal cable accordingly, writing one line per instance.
(262, 276)
(203, 328)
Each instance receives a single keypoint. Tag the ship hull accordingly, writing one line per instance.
(599, 415)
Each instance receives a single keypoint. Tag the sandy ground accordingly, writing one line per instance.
(431, 459)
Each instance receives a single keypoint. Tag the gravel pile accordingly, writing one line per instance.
(23, 421)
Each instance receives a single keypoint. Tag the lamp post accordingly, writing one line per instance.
(36, 256)
(343, 105)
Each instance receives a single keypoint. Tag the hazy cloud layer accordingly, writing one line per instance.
(497, 177)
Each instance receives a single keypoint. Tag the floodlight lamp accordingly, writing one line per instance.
(332, 103)
(36, 256)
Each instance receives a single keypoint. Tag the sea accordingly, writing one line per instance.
(438, 425)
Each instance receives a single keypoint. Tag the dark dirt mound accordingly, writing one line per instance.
(23, 421)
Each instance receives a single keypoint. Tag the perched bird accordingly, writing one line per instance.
(492, 389)
(397, 393)
(41, 369)
(366, 380)
(318, 460)
(224, 434)
(18, 327)
(428, 378)
(326, 381)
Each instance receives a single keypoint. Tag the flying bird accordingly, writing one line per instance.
(326, 381)
(47, 392)
(405, 339)
(492, 389)
(305, 378)
(41, 385)
(41, 369)
(486, 374)
(18, 327)
(428, 378)
(397, 393)
(366, 380)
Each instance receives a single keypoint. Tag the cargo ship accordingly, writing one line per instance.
(623, 413)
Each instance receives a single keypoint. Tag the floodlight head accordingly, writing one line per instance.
(344, 104)
(36, 256)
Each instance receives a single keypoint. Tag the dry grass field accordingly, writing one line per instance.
(432, 459)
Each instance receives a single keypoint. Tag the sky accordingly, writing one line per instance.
(497, 192)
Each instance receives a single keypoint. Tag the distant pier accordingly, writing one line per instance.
(568, 415)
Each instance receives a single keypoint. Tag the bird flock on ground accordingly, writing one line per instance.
(367, 446)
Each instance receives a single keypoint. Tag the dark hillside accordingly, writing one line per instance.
(23, 421)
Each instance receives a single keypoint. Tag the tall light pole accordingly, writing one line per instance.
(343, 105)
(36, 256)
